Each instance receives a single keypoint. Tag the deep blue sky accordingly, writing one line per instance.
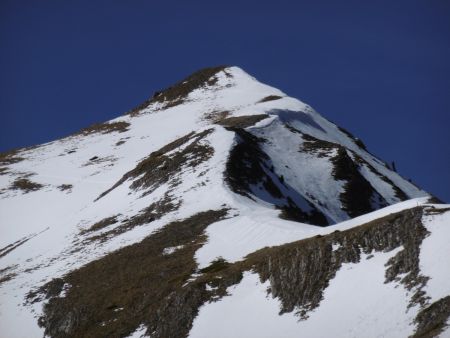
(381, 69)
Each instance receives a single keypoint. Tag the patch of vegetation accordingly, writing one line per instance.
(177, 93)
(270, 98)
(150, 214)
(25, 185)
(65, 187)
(147, 286)
(98, 160)
(435, 200)
(160, 167)
(242, 121)
(432, 320)
(216, 266)
(101, 224)
(8, 158)
(11, 157)
(7, 278)
(6, 274)
(136, 110)
(312, 145)
(105, 128)
(318, 147)
(436, 211)
(3, 170)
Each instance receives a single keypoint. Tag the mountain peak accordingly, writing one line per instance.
(141, 220)
(206, 80)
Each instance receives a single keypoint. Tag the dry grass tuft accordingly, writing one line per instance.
(105, 128)
(177, 93)
(25, 185)
(242, 121)
(270, 98)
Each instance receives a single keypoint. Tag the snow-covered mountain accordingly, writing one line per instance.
(220, 207)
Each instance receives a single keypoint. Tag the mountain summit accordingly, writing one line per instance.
(220, 207)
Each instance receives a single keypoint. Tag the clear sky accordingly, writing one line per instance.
(380, 69)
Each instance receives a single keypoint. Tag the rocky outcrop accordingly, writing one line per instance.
(433, 319)
(299, 272)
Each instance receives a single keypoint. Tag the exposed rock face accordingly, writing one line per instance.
(432, 320)
(300, 272)
(250, 169)
(358, 195)
(398, 192)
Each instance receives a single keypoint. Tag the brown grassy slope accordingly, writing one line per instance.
(112, 296)
(156, 289)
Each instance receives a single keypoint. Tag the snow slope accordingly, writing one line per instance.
(55, 198)
(250, 312)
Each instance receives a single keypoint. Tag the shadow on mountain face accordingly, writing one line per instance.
(293, 117)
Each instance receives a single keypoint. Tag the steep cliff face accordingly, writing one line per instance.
(140, 222)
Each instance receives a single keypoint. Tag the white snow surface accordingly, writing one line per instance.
(356, 304)
(235, 238)
(50, 220)
(139, 333)
(435, 253)
(247, 312)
